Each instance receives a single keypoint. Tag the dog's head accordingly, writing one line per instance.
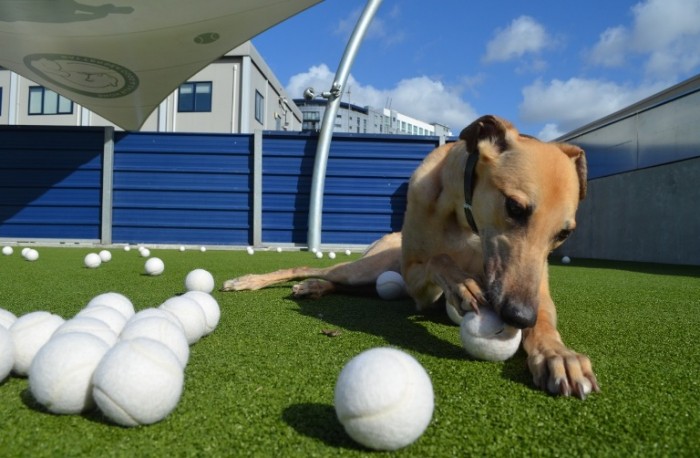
(526, 193)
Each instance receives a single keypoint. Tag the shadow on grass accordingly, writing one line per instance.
(92, 414)
(394, 321)
(319, 422)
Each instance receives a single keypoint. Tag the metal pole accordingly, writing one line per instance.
(324, 139)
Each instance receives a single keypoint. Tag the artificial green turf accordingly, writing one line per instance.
(262, 383)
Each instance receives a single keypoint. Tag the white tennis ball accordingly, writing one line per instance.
(279, 249)
(390, 285)
(7, 318)
(348, 252)
(384, 399)
(486, 337)
(331, 255)
(182, 248)
(190, 314)
(7, 250)
(250, 250)
(199, 280)
(105, 255)
(92, 260)
(565, 260)
(29, 333)
(7, 353)
(164, 331)
(88, 325)
(127, 248)
(453, 313)
(24, 251)
(154, 266)
(144, 252)
(152, 312)
(138, 382)
(106, 314)
(319, 254)
(203, 249)
(117, 301)
(60, 377)
(32, 255)
(212, 311)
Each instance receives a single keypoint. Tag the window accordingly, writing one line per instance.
(259, 108)
(194, 97)
(44, 101)
(312, 116)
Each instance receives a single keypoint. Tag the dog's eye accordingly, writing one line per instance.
(563, 235)
(516, 210)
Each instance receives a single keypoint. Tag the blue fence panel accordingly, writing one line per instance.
(182, 188)
(50, 182)
(365, 186)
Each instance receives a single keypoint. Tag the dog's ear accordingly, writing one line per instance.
(487, 127)
(579, 157)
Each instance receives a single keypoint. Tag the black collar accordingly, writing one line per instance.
(469, 182)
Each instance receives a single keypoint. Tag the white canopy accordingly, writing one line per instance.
(121, 59)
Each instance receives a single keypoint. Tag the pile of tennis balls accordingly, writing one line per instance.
(128, 364)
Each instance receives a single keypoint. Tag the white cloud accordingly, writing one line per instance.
(549, 132)
(421, 97)
(665, 33)
(610, 49)
(566, 105)
(523, 35)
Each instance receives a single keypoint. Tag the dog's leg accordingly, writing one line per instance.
(254, 282)
(554, 367)
(426, 282)
(383, 255)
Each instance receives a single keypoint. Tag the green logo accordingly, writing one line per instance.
(206, 38)
(84, 75)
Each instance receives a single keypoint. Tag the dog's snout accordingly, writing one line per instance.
(518, 315)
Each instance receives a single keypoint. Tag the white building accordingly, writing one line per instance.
(237, 93)
(355, 119)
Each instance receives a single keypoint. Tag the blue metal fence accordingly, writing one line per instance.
(201, 188)
(365, 186)
(182, 188)
(50, 182)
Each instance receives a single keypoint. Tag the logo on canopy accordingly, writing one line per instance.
(87, 76)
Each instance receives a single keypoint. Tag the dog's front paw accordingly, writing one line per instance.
(465, 296)
(561, 371)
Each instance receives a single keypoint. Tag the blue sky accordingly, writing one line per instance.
(548, 66)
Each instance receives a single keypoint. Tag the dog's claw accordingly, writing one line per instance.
(559, 386)
(583, 389)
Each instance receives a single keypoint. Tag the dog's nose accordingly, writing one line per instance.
(518, 315)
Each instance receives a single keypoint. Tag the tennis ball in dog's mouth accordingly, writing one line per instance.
(384, 399)
(486, 337)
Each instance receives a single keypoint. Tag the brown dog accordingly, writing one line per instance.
(483, 214)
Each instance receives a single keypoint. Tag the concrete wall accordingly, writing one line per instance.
(647, 215)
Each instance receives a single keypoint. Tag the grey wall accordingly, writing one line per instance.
(648, 215)
(644, 181)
